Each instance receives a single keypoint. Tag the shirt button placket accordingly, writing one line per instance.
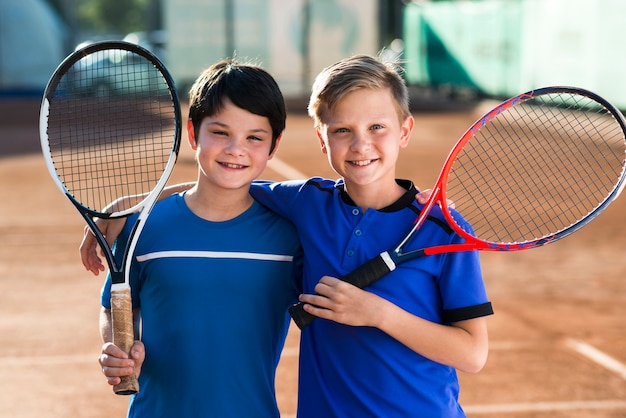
(355, 212)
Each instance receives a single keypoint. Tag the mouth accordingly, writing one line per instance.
(362, 163)
(232, 165)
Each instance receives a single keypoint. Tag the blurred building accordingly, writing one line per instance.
(452, 48)
(292, 39)
(31, 46)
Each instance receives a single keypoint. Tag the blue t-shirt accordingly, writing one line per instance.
(360, 372)
(213, 299)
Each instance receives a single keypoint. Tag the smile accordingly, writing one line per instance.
(362, 163)
(235, 166)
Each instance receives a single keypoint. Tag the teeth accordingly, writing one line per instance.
(362, 162)
(233, 165)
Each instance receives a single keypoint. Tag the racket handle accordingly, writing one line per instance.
(301, 317)
(361, 277)
(123, 335)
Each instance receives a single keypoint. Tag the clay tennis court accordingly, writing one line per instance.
(558, 338)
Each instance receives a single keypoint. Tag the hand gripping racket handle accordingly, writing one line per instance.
(123, 335)
(361, 277)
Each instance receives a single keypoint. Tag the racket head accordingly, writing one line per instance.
(535, 169)
(110, 125)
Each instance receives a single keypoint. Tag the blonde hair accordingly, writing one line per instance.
(352, 74)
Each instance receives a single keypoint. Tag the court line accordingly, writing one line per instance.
(285, 170)
(545, 406)
(590, 352)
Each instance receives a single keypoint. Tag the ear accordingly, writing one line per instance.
(405, 131)
(275, 146)
(322, 142)
(191, 136)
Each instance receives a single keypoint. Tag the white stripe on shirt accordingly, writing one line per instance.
(214, 254)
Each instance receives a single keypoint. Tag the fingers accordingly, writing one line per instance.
(138, 354)
(327, 288)
(89, 256)
(329, 295)
(341, 302)
(115, 363)
(89, 253)
(422, 197)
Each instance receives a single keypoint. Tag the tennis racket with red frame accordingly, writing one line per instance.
(533, 170)
(110, 126)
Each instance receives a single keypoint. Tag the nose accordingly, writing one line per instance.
(235, 146)
(360, 142)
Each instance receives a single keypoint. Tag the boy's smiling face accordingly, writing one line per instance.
(362, 136)
(232, 147)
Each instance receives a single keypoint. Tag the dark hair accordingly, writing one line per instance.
(247, 86)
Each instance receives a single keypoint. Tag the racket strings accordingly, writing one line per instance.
(537, 168)
(111, 127)
(543, 161)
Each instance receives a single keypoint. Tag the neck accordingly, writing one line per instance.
(372, 196)
(219, 205)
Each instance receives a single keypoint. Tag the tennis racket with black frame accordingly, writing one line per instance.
(110, 126)
(531, 171)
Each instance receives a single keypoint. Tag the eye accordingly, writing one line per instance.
(217, 132)
(255, 138)
(376, 127)
(341, 130)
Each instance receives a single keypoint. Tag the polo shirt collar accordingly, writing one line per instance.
(404, 201)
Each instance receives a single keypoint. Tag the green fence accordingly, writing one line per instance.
(504, 47)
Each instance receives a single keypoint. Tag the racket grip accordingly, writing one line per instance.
(123, 335)
(301, 317)
(361, 277)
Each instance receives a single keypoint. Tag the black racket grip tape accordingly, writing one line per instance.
(301, 317)
(361, 277)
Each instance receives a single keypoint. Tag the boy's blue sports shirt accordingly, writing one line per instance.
(361, 371)
(213, 299)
